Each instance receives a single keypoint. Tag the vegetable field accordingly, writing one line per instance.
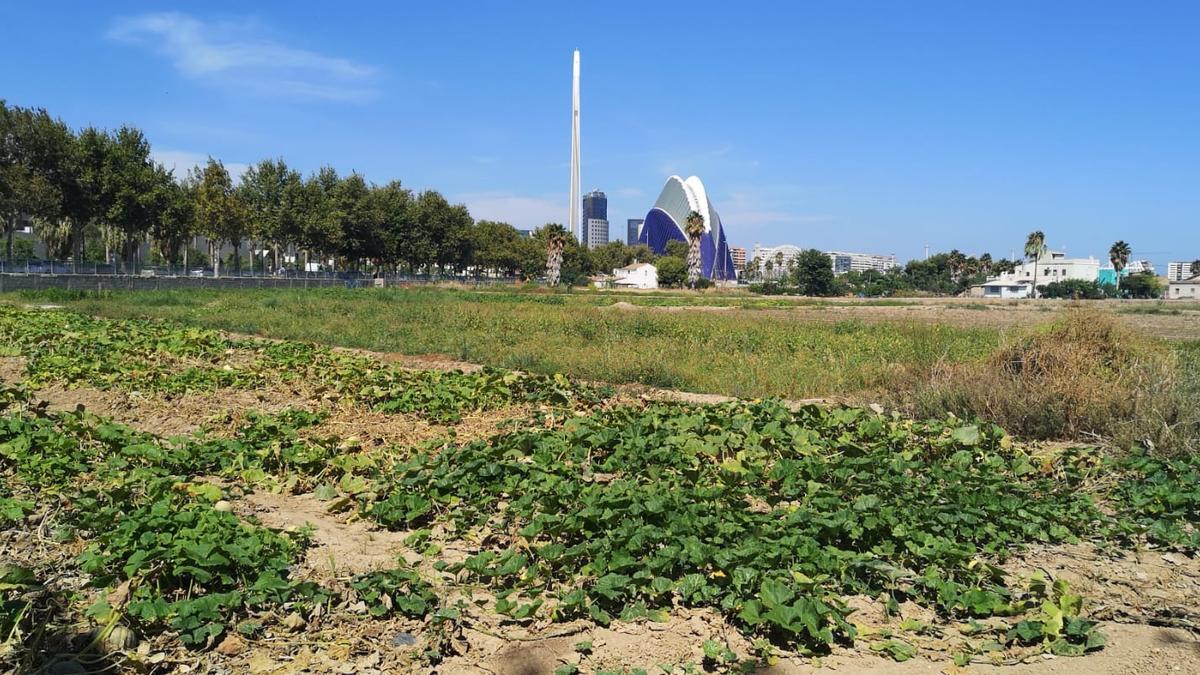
(531, 523)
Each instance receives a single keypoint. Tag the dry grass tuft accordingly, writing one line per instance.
(1083, 377)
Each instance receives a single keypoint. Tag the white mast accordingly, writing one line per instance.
(573, 211)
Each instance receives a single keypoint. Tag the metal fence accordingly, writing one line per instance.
(92, 267)
(45, 274)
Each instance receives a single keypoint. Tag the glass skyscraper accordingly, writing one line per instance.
(633, 227)
(595, 219)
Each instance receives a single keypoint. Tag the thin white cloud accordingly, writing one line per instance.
(517, 210)
(744, 210)
(235, 54)
(182, 161)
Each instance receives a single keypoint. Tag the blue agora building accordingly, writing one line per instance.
(667, 218)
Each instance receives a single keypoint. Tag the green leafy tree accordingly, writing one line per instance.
(173, 230)
(1035, 248)
(393, 202)
(35, 167)
(273, 194)
(1143, 285)
(1077, 289)
(220, 214)
(360, 224)
(319, 234)
(677, 249)
(134, 193)
(1004, 265)
(1194, 268)
(874, 284)
(672, 271)
(448, 228)
(496, 247)
(813, 274)
(87, 205)
(414, 243)
(1118, 255)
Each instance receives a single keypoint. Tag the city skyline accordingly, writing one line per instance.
(891, 129)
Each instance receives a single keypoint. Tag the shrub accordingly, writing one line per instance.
(1082, 377)
(1077, 289)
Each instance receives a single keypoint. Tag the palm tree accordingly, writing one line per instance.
(58, 235)
(694, 229)
(754, 269)
(1118, 255)
(956, 261)
(1035, 248)
(556, 240)
(985, 264)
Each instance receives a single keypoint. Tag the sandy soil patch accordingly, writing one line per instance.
(12, 369)
(341, 547)
(220, 410)
(1129, 586)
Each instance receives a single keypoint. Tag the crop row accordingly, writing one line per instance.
(154, 356)
(768, 516)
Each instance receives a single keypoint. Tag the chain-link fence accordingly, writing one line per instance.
(43, 274)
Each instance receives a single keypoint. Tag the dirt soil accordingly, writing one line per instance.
(339, 548)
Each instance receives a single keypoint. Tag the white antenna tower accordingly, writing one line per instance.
(573, 213)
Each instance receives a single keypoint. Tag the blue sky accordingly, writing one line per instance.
(879, 127)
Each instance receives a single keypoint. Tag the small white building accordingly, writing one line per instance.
(637, 275)
(1003, 288)
(1185, 289)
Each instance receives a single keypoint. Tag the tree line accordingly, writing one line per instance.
(96, 189)
(811, 273)
(953, 273)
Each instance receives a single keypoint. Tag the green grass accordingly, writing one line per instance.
(735, 352)
(1156, 308)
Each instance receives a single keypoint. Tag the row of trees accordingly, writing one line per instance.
(811, 273)
(96, 186)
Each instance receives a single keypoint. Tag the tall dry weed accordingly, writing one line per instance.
(1086, 376)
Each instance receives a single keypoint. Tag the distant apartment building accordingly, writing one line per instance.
(595, 232)
(633, 228)
(595, 219)
(773, 262)
(1141, 267)
(1179, 270)
(844, 262)
(739, 259)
